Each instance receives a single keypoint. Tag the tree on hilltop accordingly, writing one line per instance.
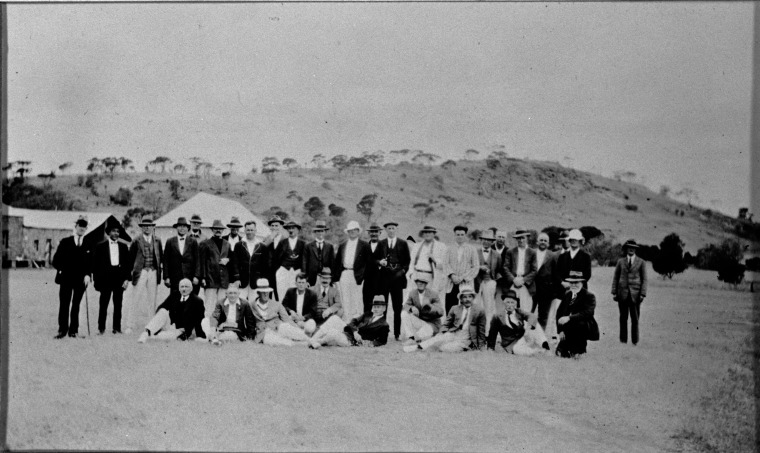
(65, 166)
(269, 166)
(366, 205)
(471, 154)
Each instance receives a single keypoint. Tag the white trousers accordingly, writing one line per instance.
(331, 333)
(446, 342)
(526, 300)
(285, 335)
(161, 328)
(487, 295)
(210, 297)
(142, 305)
(246, 292)
(285, 279)
(412, 326)
(551, 320)
(531, 341)
(350, 295)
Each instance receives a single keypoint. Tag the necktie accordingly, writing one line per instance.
(464, 317)
(79, 241)
(393, 243)
(319, 246)
(184, 298)
(324, 293)
(630, 261)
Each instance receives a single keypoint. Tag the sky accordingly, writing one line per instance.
(659, 89)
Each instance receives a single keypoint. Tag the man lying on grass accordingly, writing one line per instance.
(274, 326)
(177, 316)
(510, 323)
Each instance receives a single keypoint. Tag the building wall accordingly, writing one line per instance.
(13, 237)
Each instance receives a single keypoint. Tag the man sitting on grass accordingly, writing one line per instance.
(177, 316)
(509, 322)
(232, 319)
(370, 329)
(422, 312)
(274, 326)
(465, 327)
(301, 304)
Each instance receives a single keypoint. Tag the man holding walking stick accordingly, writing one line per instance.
(72, 262)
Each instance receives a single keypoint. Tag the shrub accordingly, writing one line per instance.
(670, 260)
(731, 271)
(122, 197)
(326, 185)
(753, 264)
(493, 164)
(591, 232)
(89, 182)
(631, 207)
(174, 188)
(133, 214)
(604, 251)
(22, 195)
(713, 257)
(80, 180)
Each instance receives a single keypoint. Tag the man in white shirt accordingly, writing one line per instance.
(422, 312)
(249, 262)
(111, 273)
(288, 258)
(177, 317)
(146, 274)
(462, 265)
(301, 304)
(232, 319)
(234, 237)
(429, 256)
(350, 263)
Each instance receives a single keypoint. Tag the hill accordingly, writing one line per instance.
(510, 194)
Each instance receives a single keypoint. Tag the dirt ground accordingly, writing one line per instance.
(111, 393)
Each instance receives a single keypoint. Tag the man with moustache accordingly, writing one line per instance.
(350, 263)
(319, 253)
(520, 269)
(249, 262)
(181, 258)
(288, 258)
(72, 264)
(393, 268)
(372, 276)
(111, 274)
(214, 255)
(146, 256)
(275, 224)
(488, 274)
(462, 266)
(234, 236)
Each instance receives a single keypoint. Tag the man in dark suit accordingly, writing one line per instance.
(72, 263)
(249, 262)
(575, 318)
(177, 317)
(234, 236)
(275, 224)
(510, 323)
(195, 229)
(350, 263)
(181, 258)
(111, 275)
(520, 269)
(319, 253)
(370, 329)
(372, 273)
(214, 254)
(629, 288)
(545, 291)
(393, 268)
(288, 258)
(301, 304)
(146, 256)
(233, 318)
(575, 259)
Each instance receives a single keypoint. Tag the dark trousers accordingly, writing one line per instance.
(509, 335)
(369, 291)
(576, 338)
(543, 299)
(105, 297)
(626, 307)
(397, 300)
(65, 301)
(452, 298)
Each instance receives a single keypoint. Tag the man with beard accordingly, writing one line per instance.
(111, 275)
(288, 257)
(372, 277)
(234, 237)
(350, 263)
(181, 258)
(249, 262)
(72, 264)
(214, 254)
(319, 253)
(462, 266)
(393, 268)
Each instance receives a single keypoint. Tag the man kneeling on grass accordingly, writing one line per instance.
(509, 322)
(177, 316)
(465, 327)
(232, 319)
(274, 326)
(422, 312)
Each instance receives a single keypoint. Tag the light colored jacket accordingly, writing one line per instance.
(431, 315)
(467, 268)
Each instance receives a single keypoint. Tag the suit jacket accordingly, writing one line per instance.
(104, 277)
(72, 262)
(431, 312)
(185, 315)
(528, 271)
(361, 260)
(330, 302)
(138, 259)
(545, 278)
(494, 266)
(630, 280)
(373, 272)
(440, 276)
(376, 332)
(309, 302)
(246, 322)
(181, 265)
(215, 274)
(398, 258)
(581, 263)
(467, 268)
(314, 260)
(247, 267)
(284, 256)
(510, 333)
(580, 311)
(477, 324)
(271, 318)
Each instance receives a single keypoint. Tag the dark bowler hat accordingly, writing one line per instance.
(235, 223)
(81, 221)
(111, 224)
(196, 218)
(326, 272)
(387, 224)
(373, 227)
(275, 219)
(575, 276)
(428, 229)
(147, 221)
(379, 300)
(320, 225)
(521, 233)
(181, 222)
(292, 224)
(217, 225)
(630, 243)
(511, 294)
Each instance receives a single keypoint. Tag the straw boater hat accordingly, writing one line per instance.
(510, 294)
(575, 234)
(326, 272)
(421, 277)
(520, 233)
(147, 221)
(466, 289)
(630, 243)
(353, 225)
(374, 227)
(292, 224)
(81, 221)
(275, 219)
(235, 223)
(262, 286)
(196, 218)
(379, 300)
(575, 276)
(487, 234)
(217, 225)
(428, 229)
(180, 222)
(320, 225)
(387, 224)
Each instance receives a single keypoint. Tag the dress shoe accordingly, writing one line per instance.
(116, 332)
(101, 332)
(412, 348)
(60, 335)
(73, 335)
(314, 345)
(143, 337)
(545, 345)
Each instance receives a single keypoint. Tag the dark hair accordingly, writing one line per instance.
(461, 228)
(301, 276)
(250, 222)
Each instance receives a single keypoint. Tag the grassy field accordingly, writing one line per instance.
(691, 367)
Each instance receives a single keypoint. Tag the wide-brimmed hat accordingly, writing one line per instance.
(575, 234)
(325, 272)
(320, 225)
(428, 229)
(353, 225)
(292, 224)
(422, 277)
(235, 223)
(466, 289)
(196, 218)
(575, 276)
(630, 243)
(181, 221)
(275, 219)
(373, 227)
(510, 294)
(386, 224)
(488, 234)
(262, 286)
(379, 300)
(147, 220)
(521, 233)
(81, 221)
(217, 225)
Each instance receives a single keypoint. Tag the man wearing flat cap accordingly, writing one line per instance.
(520, 269)
(462, 266)
(422, 312)
(288, 258)
(147, 255)
(111, 272)
(393, 269)
(318, 254)
(72, 264)
(234, 236)
(429, 256)
(629, 288)
(372, 277)
(350, 263)
(249, 262)
(181, 258)
(214, 255)
(275, 224)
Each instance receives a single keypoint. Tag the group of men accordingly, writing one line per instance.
(284, 291)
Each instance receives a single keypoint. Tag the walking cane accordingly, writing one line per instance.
(87, 308)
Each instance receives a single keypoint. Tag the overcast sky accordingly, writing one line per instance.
(659, 89)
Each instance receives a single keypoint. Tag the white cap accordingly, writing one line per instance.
(575, 234)
(353, 225)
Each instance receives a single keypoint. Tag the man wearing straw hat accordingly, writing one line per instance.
(72, 264)
(274, 327)
(461, 266)
(429, 256)
(520, 269)
(146, 255)
(422, 312)
(234, 236)
(214, 255)
(350, 263)
(393, 268)
(489, 273)
(181, 258)
(575, 318)
(629, 288)
(249, 262)
(288, 258)
(318, 254)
